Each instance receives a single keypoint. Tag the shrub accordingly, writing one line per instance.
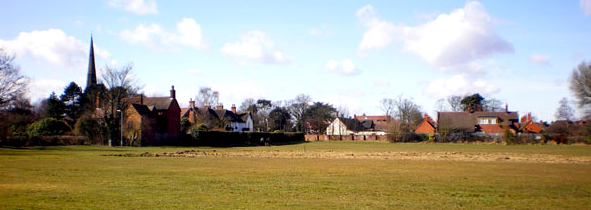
(431, 137)
(47, 127)
(185, 125)
(201, 127)
(88, 127)
(509, 137)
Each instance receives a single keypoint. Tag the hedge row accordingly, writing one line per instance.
(60, 140)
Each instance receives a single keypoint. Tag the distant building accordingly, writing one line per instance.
(427, 126)
(370, 125)
(218, 118)
(152, 120)
(527, 125)
(380, 121)
(479, 121)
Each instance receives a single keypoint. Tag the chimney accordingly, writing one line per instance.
(529, 116)
(141, 99)
(507, 108)
(355, 116)
(234, 108)
(173, 93)
(220, 106)
(191, 103)
(207, 106)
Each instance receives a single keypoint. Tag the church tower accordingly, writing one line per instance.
(91, 76)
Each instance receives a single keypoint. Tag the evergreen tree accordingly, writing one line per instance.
(55, 107)
(72, 100)
(472, 103)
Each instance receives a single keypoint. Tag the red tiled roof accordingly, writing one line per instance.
(491, 128)
(376, 119)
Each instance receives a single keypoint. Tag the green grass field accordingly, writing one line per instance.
(286, 177)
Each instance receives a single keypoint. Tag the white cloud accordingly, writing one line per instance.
(379, 33)
(150, 35)
(53, 46)
(459, 84)
(538, 58)
(41, 89)
(188, 33)
(255, 46)
(346, 68)
(450, 40)
(139, 7)
(464, 35)
(585, 6)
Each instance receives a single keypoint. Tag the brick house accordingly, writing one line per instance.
(218, 118)
(427, 126)
(152, 120)
(527, 125)
(477, 122)
(380, 121)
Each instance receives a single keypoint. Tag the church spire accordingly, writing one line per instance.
(91, 77)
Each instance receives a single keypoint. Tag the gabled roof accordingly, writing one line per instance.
(467, 121)
(185, 112)
(221, 114)
(491, 128)
(142, 110)
(244, 116)
(356, 125)
(530, 127)
(160, 103)
(375, 119)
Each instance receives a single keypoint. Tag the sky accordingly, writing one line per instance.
(347, 53)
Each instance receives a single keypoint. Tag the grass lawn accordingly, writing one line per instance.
(88, 177)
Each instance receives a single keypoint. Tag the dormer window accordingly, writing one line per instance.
(487, 120)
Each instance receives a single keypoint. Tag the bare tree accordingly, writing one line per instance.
(343, 110)
(121, 83)
(247, 105)
(564, 111)
(388, 105)
(13, 85)
(297, 108)
(440, 105)
(408, 113)
(493, 105)
(580, 85)
(454, 103)
(207, 96)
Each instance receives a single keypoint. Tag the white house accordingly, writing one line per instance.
(349, 126)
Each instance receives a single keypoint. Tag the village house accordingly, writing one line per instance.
(527, 125)
(428, 125)
(380, 122)
(152, 120)
(478, 122)
(358, 125)
(218, 118)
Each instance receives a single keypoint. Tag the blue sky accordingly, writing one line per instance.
(349, 53)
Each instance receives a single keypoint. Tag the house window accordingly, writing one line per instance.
(487, 121)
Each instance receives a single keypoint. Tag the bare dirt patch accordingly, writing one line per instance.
(377, 155)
